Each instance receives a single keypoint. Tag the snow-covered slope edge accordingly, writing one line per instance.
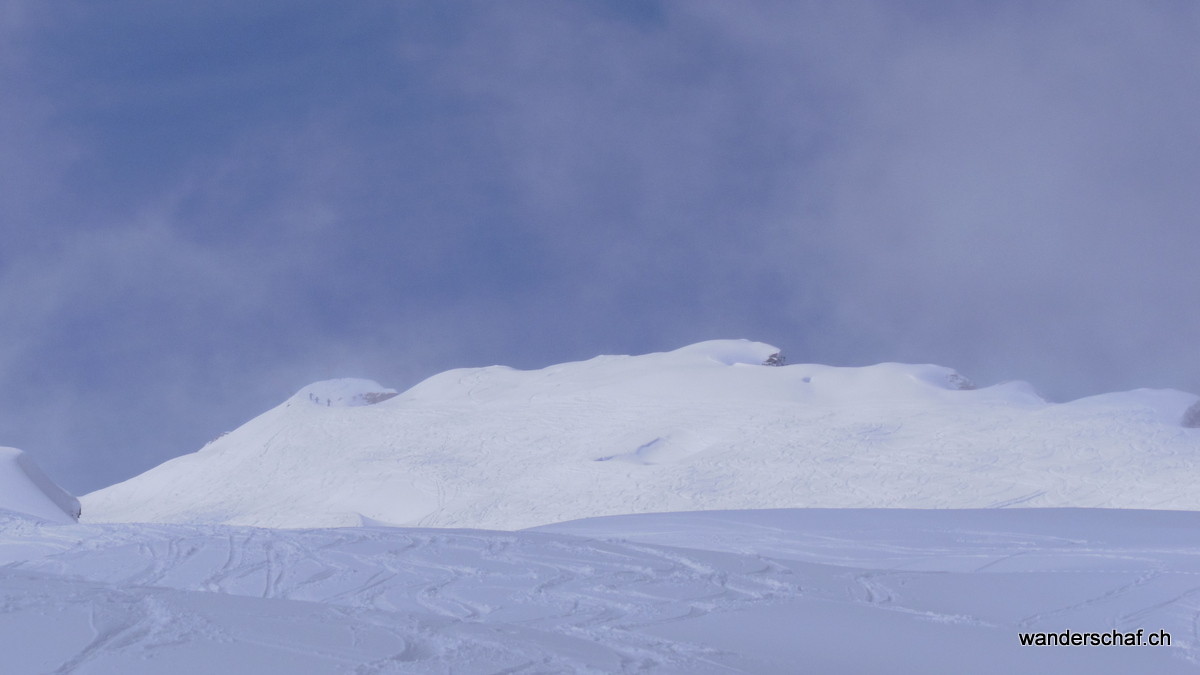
(25, 489)
(702, 427)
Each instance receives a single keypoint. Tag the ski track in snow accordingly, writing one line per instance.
(551, 593)
(675, 593)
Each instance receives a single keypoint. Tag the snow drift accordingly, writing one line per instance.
(25, 489)
(699, 428)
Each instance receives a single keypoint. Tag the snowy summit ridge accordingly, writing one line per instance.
(344, 393)
(707, 426)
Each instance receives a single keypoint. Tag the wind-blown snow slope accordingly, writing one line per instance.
(25, 489)
(703, 427)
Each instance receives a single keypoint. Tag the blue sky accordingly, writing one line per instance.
(206, 206)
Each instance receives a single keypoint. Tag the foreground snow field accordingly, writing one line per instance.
(783, 591)
(699, 428)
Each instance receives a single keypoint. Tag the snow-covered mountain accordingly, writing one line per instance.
(707, 426)
(685, 591)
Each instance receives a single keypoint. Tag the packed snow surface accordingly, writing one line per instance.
(25, 489)
(782, 591)
(699, 428)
